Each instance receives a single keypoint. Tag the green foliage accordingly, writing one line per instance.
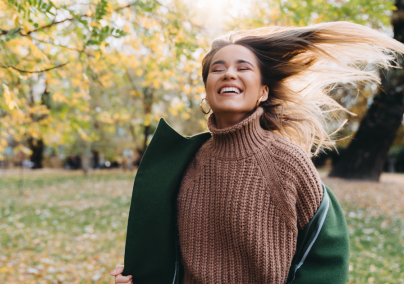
(13, 33)
(101, 9)
(98, 36)
(374, 13)
(34, 7)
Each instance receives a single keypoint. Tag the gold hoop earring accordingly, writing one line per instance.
(258, 102)
(200, 105)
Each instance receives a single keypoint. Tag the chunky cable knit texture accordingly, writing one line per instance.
(242, 199)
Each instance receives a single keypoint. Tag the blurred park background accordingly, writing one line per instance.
(83, 86)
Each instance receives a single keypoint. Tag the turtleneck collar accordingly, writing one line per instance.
(240, 140)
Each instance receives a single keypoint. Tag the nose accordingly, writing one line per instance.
(229, 74)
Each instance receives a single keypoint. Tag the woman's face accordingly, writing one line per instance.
(234, 81)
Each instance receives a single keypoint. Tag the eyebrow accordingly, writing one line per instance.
(238, 61)
(245, 61)
(218, 62)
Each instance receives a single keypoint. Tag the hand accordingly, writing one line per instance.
(119, 278)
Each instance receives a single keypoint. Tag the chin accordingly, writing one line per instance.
(230, 108)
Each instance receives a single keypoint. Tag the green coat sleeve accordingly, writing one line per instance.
(151, 252)
(322, 252)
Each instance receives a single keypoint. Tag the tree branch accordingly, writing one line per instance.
(49, 25)
(40, 71)
(26, 33)
(123, 7)
(59, 45)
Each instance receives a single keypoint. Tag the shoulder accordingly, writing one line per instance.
(286, 153)
(293, 168)
(297, 176)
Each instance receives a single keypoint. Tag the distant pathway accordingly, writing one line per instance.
(384, 197)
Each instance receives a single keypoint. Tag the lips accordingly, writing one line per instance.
(230, 89)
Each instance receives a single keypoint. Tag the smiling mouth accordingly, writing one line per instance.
(229, 90)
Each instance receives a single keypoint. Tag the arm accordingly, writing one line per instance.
(322, 252)
(299, 180)
(119, 278)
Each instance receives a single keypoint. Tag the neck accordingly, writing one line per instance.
(239, 140)
(226, 120)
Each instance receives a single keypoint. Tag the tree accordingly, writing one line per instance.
(367, 152)
(32, 33)
(111, 71)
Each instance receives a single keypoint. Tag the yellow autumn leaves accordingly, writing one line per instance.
(9, 98)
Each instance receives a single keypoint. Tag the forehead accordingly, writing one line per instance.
(234, 52)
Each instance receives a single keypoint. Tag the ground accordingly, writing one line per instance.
(64, 227)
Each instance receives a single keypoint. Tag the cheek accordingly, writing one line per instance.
(252, 83)
(210, 83)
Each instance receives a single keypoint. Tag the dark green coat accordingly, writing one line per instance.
(152, 253)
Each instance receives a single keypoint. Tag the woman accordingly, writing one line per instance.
(243, 202)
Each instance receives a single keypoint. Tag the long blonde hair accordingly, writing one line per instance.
(300, 65)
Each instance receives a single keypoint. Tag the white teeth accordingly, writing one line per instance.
(231, 89)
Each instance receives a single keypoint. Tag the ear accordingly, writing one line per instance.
(264, 92)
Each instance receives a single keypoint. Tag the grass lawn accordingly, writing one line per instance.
(374, 213)
(63, 227)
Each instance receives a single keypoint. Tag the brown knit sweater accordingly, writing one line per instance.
(242, 199)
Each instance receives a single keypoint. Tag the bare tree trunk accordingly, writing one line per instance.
(365, 156)
(147, 105)
(37, 147)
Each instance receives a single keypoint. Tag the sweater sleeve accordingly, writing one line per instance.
(301, 181)
(308, 189)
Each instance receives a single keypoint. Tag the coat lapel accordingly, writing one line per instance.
(151, 254)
